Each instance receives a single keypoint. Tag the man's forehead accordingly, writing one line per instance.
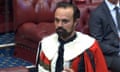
(64, 12)
(65, 8)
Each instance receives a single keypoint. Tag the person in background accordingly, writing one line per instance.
(67, 50)
(104, 25)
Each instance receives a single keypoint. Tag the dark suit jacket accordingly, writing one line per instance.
(103, 28)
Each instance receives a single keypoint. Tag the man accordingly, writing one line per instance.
(104, 26)
(66, 50)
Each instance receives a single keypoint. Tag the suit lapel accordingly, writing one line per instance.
(109, 16)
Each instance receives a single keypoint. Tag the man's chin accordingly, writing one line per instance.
(63, 36)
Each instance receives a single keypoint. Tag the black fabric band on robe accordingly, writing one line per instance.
(60, 60)
(59, 63)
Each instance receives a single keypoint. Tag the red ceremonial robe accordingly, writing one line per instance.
(73, 51)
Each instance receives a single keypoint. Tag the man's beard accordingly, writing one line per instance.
(62, 33)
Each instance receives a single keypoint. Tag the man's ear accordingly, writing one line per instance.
(77, 21)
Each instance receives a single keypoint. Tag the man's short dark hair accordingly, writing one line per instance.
(76, 11)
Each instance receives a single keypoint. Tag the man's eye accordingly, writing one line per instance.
(56, 20)
(65, 21)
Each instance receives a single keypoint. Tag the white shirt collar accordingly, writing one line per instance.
(112, 6)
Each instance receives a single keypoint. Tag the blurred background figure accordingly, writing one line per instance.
(104, 25)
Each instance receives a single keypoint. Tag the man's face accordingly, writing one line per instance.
(64, 22)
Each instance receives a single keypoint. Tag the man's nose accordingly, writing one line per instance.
(60, 24)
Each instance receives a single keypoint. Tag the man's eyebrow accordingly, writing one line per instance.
(65, 20)
(57, 19)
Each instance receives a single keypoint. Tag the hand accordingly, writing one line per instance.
(68, 70)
